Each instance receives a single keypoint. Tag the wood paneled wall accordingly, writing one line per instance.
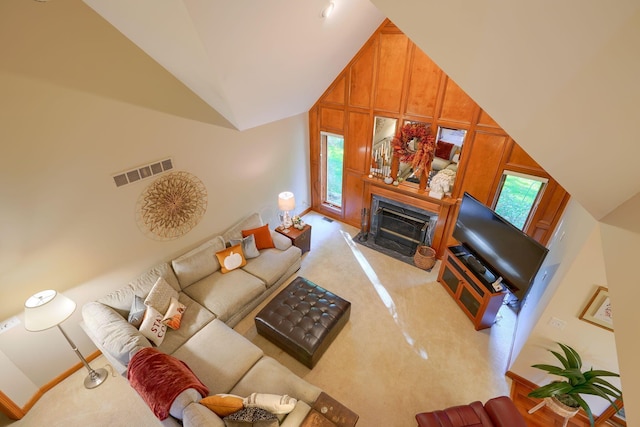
(390, 76)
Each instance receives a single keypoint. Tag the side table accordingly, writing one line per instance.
(299, 238)
(328, 412)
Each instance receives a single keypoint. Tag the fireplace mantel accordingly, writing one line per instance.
(414, 197)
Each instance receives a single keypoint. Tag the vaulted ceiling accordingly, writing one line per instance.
(252, 61)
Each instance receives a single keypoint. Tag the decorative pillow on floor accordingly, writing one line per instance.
(152, 326)
(251, 417)
(173, 316)
(136, 314)
(160, 295)
(274, 403)
(262, 236)
(248, 246)
(223, 404)
(231, 258)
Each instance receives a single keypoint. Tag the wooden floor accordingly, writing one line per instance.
(544, 417)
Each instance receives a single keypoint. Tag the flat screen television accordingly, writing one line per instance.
(498, 245)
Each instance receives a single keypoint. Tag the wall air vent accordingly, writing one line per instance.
(142, 172)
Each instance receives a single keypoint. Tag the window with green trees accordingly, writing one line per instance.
(519, 194)
(332, 152)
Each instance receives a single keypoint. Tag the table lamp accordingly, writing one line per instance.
(286, 203)
(49, 308)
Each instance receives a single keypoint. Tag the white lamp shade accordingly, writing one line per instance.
(47, 309)
(286, 201)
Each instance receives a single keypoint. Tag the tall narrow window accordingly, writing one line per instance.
(332, 153)
(518, 197)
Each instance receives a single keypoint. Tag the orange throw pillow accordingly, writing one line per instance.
(223, 404)
(231, 258)
(262, 236)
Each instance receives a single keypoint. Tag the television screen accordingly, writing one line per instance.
(500, 246)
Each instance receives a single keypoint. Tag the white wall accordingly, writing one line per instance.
(580, 274)
(65, 224)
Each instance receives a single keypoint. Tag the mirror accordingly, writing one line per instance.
(384, 129)
(446, 157)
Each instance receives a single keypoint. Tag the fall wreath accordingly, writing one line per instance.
(415, 144)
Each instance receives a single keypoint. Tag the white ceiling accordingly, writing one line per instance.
(254, 62)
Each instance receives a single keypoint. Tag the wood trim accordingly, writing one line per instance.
(14, 412)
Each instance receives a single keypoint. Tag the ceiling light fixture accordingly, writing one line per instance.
(327, 10)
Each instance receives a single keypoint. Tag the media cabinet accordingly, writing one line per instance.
(470, 287)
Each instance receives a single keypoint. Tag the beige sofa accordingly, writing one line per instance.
(221, 358)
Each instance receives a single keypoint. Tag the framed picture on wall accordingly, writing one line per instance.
(598, 309)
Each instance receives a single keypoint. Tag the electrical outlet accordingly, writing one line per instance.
(554, 322)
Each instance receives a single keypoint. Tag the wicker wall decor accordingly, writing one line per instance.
(171, 206)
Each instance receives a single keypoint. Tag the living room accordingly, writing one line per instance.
(78, 129)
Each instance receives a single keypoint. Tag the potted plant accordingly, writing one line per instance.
(578, 382)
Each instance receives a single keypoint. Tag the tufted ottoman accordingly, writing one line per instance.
(303, 319)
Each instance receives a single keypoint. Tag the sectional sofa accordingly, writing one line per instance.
(214, 301)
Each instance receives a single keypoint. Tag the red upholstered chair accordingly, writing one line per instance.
(497, 412)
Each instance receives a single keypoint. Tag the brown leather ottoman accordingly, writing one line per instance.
(303, 319)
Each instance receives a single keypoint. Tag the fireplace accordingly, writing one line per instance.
(401, 227)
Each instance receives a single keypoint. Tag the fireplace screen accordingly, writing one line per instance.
(401, 228)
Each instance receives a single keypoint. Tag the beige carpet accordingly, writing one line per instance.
(407, 347)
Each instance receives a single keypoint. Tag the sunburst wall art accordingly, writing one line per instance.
(171, 206)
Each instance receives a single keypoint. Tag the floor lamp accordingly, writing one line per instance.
(49, 308)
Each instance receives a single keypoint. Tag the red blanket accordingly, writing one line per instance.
(159, 378)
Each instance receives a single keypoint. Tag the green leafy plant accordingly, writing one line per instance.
(577, 382)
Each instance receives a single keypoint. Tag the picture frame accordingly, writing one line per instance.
(598, 310)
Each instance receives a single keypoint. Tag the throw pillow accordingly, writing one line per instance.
(137, 311)
(249, 248)
(160, 295)
(255, 417)
(223, 404)
(262, 236)
(273, 403)
(152, 327)
(231, 258)
(173, 316)
(443, 150)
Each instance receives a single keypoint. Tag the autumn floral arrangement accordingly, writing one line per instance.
(415, 145)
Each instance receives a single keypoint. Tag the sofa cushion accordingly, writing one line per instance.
(226, 294)
(112, 332)
(194, 318)
(272, 264)
(198, 263)
(197, 415)
(173, 317)
(249, 248)
(136, 314)
(262, 235)
(122, 299)
(251, 417)
(235, 231)
(152, 327)
(231, 258)
(184, 399)
(219, 356)
(269, 376)
(160, 296)
(223, 404)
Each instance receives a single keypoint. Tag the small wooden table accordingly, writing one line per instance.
(299, 238)
(328, 412)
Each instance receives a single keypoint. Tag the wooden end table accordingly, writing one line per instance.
(299, 238)
(328, 412)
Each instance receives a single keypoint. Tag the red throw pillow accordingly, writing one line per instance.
(443, 150)
(262, 236)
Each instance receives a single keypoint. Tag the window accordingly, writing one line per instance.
(332, 154)
(519, 195)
